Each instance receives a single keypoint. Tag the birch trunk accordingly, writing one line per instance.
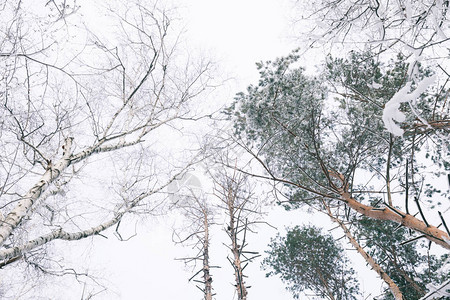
(57, 234)
(14, 217)
(53, 172)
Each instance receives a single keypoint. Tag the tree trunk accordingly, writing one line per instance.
(206, 276)
(376, 267)
(13, 218)
(235, 249)
(55, 235)
(432, 233)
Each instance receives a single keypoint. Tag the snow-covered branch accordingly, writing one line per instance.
(392, 113)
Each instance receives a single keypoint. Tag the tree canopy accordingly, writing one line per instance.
(324, 136)
(306, 259)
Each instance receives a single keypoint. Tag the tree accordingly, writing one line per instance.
(306, 259)
(80, 109)
(419, 30)
(401, 262)
(232, 198)
(419, 26)
(200, 215)
(242, 210)
(412, 270)
(323, 148)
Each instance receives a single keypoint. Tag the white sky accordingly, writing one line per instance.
(239, 33)
(236, 34)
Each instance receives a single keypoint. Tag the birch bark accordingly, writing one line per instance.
(13, 218)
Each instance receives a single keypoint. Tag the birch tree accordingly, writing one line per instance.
(383, 24)
(85, 92)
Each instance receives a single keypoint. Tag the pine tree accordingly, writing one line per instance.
(324, 137)
(306, 259)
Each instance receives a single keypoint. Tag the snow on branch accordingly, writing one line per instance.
(392, 113)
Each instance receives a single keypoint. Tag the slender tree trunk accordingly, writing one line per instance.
(239, 277)
(52, 173)
(239, 203)
(388, 169)
(196, 209)
(57, 235)
(235, 249)
(60, 234)
(376, 267)
(206, 276)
